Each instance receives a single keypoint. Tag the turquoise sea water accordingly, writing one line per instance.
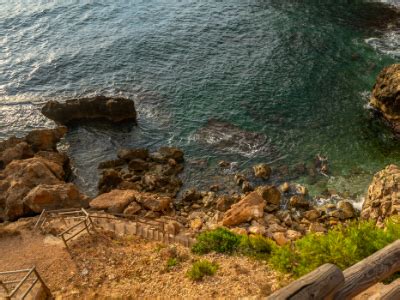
(298, 73)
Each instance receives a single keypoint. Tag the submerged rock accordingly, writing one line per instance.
(383, 198)
(115, 110)
(262, 171)
(137, 169)
(230, 138)
(386, 95)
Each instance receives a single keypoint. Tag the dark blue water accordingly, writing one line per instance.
(296, 73)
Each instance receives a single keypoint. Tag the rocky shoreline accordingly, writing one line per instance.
(34, 175)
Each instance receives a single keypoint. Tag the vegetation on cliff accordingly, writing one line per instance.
(343, 246)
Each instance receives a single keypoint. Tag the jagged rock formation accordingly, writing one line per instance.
(33, 175)
(386, 96)
(131, 202)
(99, 107)
(137, 169)
(383, 198)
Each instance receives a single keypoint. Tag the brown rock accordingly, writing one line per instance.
(129, 154)
(19, 151)
(250, 207)
(298, 201)
(153, 202)
(312, 214)
(270, 194)
(109, 180)
(347, 209)
(114, 202)
(196, 224)
(172, 152)
(173, 227)
(383, 198)
(224, 203)
(247, 187)
(54, 196)
(280, 238)
(293, 235)
(19, 177)
(262, 171)
(239, 230)
(284, 187)
(317, 228)
(132, 209)
(386, 95)
(257, 229)
(111, 163)
(45, 139)
(99, 107)
(138, 165)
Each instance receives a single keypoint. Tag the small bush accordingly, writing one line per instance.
(343, 246)
(256, 246)
(172, 262)
(220, 240)
(202, 268)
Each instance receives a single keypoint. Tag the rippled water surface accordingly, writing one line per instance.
(286, 79)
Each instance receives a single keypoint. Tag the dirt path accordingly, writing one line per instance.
(106, 266)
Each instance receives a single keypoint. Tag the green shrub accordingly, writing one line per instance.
(172, 262)
(220, 240)
(202, 268)
(342, 246)
(256, 246)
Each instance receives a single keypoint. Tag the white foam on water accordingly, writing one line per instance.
(388, 44)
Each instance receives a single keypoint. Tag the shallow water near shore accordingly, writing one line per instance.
(296, 74)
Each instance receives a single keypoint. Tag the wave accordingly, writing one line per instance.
(388, 44)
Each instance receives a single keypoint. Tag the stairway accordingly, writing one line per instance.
(151, 230)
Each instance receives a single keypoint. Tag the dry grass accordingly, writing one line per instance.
(8, 232)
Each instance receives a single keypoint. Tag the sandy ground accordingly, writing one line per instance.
(103, 266)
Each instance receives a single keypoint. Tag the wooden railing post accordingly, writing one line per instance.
(319, 284)
(370, 271)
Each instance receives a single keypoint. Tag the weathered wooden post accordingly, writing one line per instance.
(319, 284)
(370, 270)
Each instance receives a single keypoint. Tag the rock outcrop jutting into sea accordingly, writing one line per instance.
(33, 175)
(382, 200)
(112, 109)
(386, 96)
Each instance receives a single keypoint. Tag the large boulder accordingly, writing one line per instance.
(249, 208)
(114, 202)
(99, 107)
(117, 201)
(55, 196)
(383, 198)
(153, 202)
(36, 141)
(386, 95)
(19, 178)
(45, 139)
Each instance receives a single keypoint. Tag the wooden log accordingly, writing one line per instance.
(391, 291)
(370, 270)
(321, 283)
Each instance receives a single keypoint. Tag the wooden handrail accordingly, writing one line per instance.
(321, 283)
(370, 271)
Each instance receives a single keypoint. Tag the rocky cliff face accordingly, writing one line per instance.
(383, 198)
(386, 96)
(33, 175)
